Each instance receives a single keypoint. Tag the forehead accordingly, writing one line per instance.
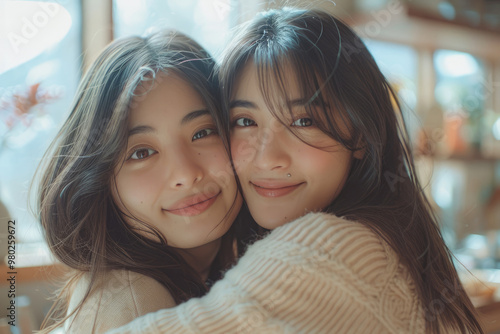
(165, 95)
(283, 86)
(154, 85)
(280, 82)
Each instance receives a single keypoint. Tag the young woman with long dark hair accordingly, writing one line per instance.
(138, 195)
(324, 161)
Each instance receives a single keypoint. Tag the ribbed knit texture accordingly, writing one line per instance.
(317, 274)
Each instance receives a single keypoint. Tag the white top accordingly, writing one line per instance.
(119, 297)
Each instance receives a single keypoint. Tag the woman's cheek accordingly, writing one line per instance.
(242, 151)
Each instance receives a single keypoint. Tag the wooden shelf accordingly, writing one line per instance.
(460, 21)
(423, 31)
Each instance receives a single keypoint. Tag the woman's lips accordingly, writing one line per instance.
(186, 207)
(274, 189)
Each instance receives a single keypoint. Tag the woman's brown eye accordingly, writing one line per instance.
(142, 153)
(303, 122)
(243, 122)
(203, 133)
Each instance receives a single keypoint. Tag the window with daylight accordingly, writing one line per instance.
(207, 21)
(460, 91)
(39, 72)
(399, 64)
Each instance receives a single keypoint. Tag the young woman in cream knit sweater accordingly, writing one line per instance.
(314, 129)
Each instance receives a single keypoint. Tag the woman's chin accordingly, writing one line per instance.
(272, 220)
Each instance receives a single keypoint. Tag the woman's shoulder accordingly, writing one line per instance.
(325, 231)
(121, 284)
(117, 298)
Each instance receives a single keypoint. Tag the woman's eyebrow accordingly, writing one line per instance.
(194, 115)
(242, 104)
(141, 129)
(302, 102)
(186, 119)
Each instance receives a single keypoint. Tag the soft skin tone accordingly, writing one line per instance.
(265, 152)
(175, 172)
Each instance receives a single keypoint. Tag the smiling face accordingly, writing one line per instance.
(176, 174)
(282, 177)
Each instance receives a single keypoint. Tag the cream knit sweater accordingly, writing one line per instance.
(317, 274)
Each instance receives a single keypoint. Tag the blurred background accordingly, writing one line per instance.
(442, 57)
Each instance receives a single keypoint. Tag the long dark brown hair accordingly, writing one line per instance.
(83, 226)
(335, 70)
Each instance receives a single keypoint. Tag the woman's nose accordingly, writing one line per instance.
(271, 152)
(184, 171)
